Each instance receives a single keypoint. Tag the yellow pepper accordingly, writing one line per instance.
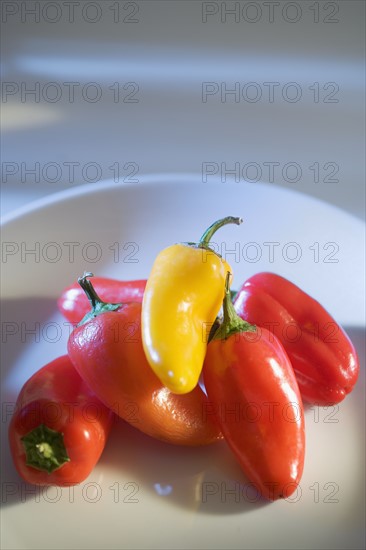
(183, 296)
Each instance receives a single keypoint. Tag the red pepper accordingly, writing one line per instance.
(59, 428)
(323, 357)
(255, 398)
(106, 349)
(73, 303)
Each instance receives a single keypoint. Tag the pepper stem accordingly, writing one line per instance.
(207, 236)
(232, 323)
(97, 305)
(45, 449)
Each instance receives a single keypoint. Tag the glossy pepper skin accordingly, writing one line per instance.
(107, 351)
(255, 398)
(59, 429)
(73, 304)
(323, 357)
(183, 296)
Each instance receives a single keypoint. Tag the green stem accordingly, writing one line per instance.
(97, 305)
(45, 449)
(232, 323)
(207, 236)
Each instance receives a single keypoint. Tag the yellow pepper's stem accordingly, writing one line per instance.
(232, 323)
(207, 236)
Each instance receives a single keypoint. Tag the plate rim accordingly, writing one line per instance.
(165, 178)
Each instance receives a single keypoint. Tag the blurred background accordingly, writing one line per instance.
(259, 91)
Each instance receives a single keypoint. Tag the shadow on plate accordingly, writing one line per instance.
(203, 480)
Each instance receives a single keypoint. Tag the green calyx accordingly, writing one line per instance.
(97, 305)
(45, 449)
(231, 323)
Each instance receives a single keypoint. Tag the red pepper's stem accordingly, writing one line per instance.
(45, 449)
(232, 323)
(207, 236)
(97, 305)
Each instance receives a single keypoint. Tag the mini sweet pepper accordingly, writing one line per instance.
(322, 355)
(183, 296)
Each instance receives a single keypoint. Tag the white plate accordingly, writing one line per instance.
(143, 493)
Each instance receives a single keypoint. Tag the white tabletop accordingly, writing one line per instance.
(269, 91)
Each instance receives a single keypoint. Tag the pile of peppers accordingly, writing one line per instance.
(178, 359)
